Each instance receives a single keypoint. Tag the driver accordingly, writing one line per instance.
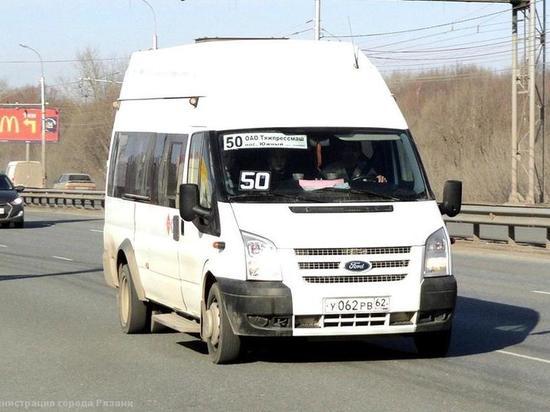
(353, 165)
(280, 175)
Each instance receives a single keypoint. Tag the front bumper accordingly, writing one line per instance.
(257, 308)
(437, 304)
(11, 213)
(265, 309)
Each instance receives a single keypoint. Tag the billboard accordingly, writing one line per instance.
(24, 125)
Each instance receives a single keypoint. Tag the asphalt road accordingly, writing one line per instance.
(61, 347)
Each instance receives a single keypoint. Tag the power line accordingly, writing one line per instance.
(440, 50)
(391, 33)
(445, 33)
(446, 43)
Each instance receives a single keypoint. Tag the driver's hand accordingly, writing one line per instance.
(381, 179)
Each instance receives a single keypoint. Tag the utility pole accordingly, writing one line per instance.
(532, 105)
(528, 100)
(514, 195)
(43, 113)
(317, 31)
(528, 104)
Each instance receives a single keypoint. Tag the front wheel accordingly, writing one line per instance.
(433, 344)
(132, 311)
(223, 345)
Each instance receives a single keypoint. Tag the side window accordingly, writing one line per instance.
(137, 182)
(119, 165)
(405, 172)
(156, 164)
(171, 170)
(130, 164)
(200, 168)
(148, 165)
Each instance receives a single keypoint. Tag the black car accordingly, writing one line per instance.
(11, 204)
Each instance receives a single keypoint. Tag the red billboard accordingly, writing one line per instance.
(25, 125)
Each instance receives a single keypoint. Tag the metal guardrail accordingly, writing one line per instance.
(85, 199)
(477, 215)
(511, 217)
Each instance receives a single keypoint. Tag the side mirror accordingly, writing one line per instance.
(19, 188)
(190, 207)
(452, 198)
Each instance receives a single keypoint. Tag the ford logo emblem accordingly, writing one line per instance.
(357, 266)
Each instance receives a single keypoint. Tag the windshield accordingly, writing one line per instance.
(329, 166)
(81, 178)
(5, 183)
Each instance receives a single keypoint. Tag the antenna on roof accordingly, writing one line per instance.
(355, 56)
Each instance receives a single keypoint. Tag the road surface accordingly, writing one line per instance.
(61, 347)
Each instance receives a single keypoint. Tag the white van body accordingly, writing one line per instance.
(337, 268)
(23, 173)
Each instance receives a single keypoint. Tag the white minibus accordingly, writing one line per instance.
(271, 188)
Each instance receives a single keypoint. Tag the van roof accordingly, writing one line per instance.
(267, 83)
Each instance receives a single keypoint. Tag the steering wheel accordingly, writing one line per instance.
(370, 178)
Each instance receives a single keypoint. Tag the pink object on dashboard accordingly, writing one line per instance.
(319, 184)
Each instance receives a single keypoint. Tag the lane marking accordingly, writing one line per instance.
(96, 230)
(62, 258)
(524, 356)
(541, 291)
(3, 246)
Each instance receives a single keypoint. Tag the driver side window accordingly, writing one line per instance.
(200, 168)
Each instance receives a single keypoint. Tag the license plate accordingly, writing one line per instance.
(1, 210)
(356, 305)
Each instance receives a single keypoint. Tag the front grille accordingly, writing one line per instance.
(377, 264)
(354, 278)
(358, 319)
(353, 251)
(318, 265)
(390, 264)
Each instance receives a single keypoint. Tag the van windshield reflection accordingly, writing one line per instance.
(330, 166)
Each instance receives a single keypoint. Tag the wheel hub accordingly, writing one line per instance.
(124, 300)
(213, 323)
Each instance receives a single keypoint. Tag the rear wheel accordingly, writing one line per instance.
(223, 345)
(433, 344)
(132, 311)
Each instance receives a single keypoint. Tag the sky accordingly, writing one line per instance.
(59, 29)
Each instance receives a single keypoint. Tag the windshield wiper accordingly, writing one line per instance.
(357, 192)
(294, 197)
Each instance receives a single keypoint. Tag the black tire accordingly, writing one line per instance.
(4, 225)
(433, 344)
(19, 224)
(132, 312)
(228, 345)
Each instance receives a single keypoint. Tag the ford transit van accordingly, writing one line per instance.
(271, 188)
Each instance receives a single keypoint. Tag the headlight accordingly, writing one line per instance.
(17, 201)
(436, 255)
(262, 261)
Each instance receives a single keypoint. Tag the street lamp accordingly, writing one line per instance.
(43, 111)
(155, 22)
